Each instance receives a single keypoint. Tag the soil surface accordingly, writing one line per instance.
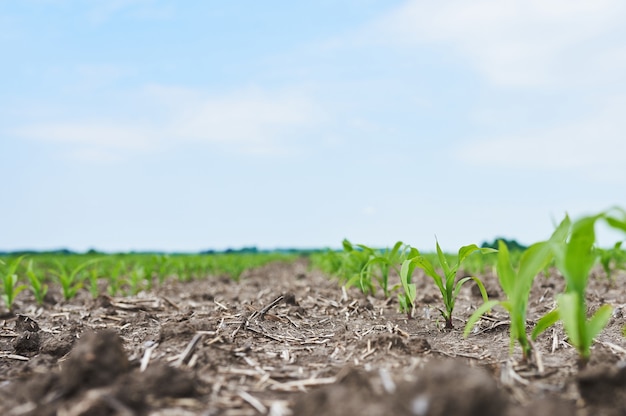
(287, 340)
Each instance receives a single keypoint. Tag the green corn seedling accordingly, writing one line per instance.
(517, 284)
(575, 259)
(116, 278)
(162, 266)
(10, 281)
(136, 280)
(37, 287)
(69, 279)
(182, 270)
(354, 261)
(406, 299)
(612, 259)
(94, 290)
(329, 262)
(383, 262)
(446, 282)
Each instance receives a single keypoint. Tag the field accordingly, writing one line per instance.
(284, 337)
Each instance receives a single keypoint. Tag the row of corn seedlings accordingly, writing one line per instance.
(123, 274)
(366, 267)
(572, 248)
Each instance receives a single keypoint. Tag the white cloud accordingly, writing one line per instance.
(253, 116)
(95, 155)
(102, 134)
(518, 42)
(593, 147)
(251, 121)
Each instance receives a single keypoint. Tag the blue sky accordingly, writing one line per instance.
(183, 126)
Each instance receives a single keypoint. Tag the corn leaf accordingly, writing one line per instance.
(443, 261)
(578, 257)
(569, 310)
(478, 313)
(506, 274)
(466, 251)
(428, 268)
(598, 321)
(544, 323)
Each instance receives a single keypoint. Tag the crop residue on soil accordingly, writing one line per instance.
(289, 341)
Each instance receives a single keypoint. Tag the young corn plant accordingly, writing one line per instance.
(136, 281)
(406, 299)
(116, 278)
(161, 265)
(69, 279)
(329, 262)
(382, 262)
(354, 260)
(10, 282)
(517, 283)
(612, 259)
(575, 259)
(446, 281)
(37, 286)
(93, 277)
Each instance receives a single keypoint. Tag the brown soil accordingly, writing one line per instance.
(288, 341)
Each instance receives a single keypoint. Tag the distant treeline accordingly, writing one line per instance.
(93, 252)
(511, 244)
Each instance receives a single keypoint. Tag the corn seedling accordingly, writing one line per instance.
(37, 287)
(235, 267)
(446, 281)
(406, 299)
(329, 262)
(10, 281)
(517, 283)
(136, 280)
(115, 278)
(181, 270)
(612, 259)
(162, 264)
(94, 289)
(69, 279)
(355, 261)
(575, 259)
(380, 264)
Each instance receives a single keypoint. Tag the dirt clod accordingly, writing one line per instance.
(97, 360)
(351, 395)
(290, 299)
(450, 387)
(442, 388)
(57, 345)
(545, 407)
(27, 342)
(24, 323)
(604, 386)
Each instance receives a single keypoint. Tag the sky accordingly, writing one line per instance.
(186, 126)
